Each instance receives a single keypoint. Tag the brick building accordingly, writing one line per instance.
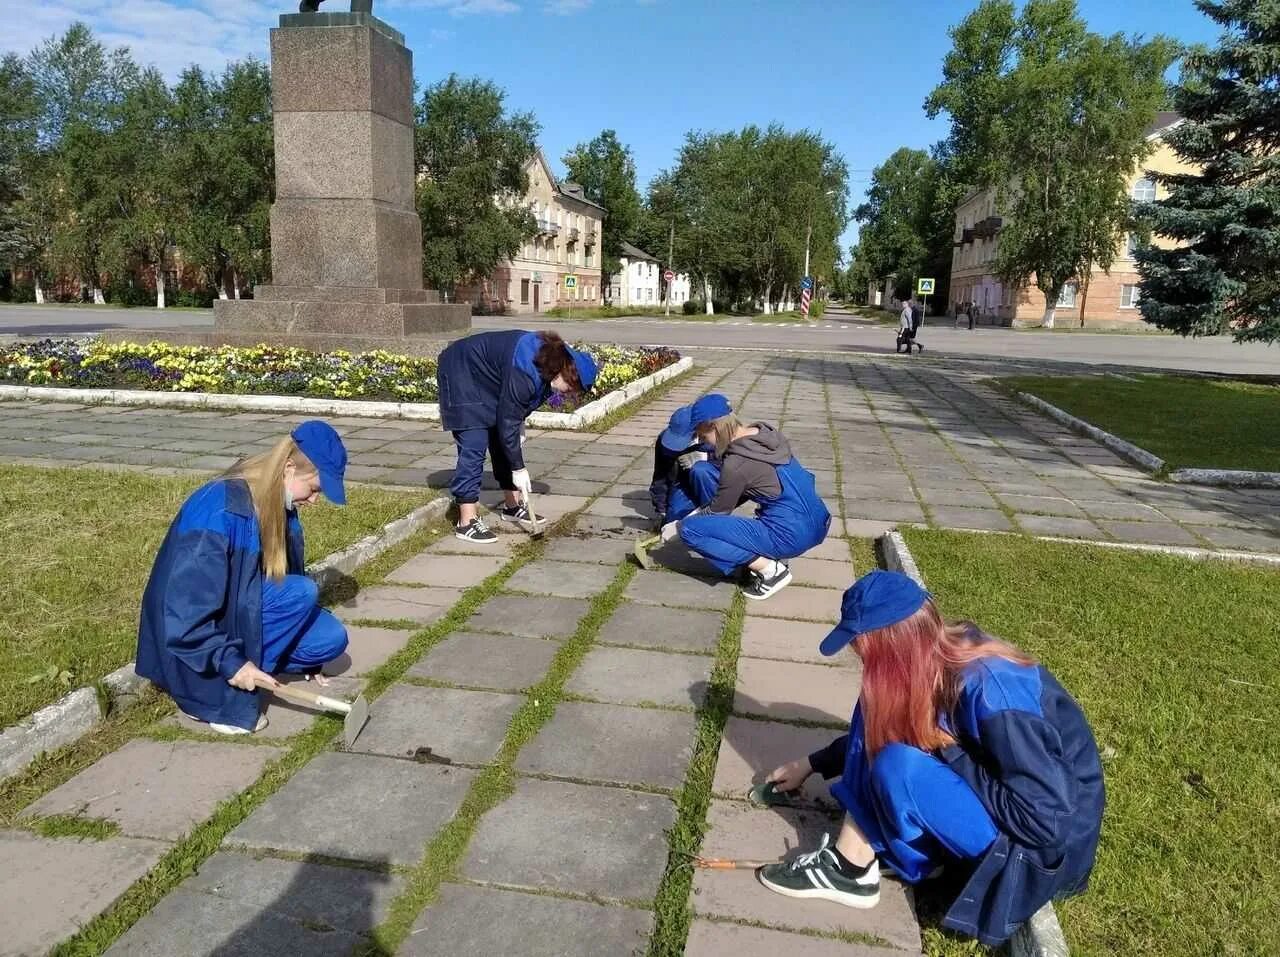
(1113, 297)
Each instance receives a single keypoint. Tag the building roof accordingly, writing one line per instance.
(1163, 121)
(568, 190)
(635, 252)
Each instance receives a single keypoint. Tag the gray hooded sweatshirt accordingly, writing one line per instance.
(749, 469)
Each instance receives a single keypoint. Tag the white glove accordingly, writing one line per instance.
(670, 531)
(520, 479)
(689, 459)
(522, 436)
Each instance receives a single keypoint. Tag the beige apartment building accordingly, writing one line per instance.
(1113, 298)
(566, 244)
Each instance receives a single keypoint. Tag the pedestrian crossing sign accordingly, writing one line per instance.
(924, 287)
(570, 282)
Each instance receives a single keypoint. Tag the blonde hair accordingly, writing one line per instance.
(724, 429)
(264, 474)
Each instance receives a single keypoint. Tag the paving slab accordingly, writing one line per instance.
(158, 789)
(735, 829)
(660, 587)
(470, 919)
(988, 519)
(357, 807)
(52, 886)
(1045, 505)
(367, 649)
(1121, 509)
(450, 545)
(1238, 538)
(821, 573)
(630, 676)
(529, 616)
(449, 571)
(866, 528)
(717, 939)
(552, 578)
(459, 726)
(610, 843)
(674, 556)
(750, 749)
(241, 906)
(1155, 533)
(620, 745)
(799, 602)
(883, 511)
(781, 640)
(284, 718)
(585, 550)
(652, 626)
(496, 662)
(1057, 526)
(626, 526)
(789, 690)
(397, 602)
(631, 504)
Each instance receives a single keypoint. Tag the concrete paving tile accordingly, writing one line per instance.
(394, 602)
(1125, 509)
(709, 938)
(585, 550)
(367, 649)
(778, 639)
(867, 528)
(883, 511)
(633, 503)
(794, 691)
(466, 919)
(799, 602)
(1043, 504)
(819, 573)
(751, 749)
(449, 545)
(620, 745)
(1157, 533)
(529, 616)
(239, 906)
(497, 662)
(357, 807)
(653, 626)
(1056, 526)
(459, 726)
(954, 497)
(575, 838)
(631, 676)
(1239, 538)
(284, 718)
(158, 789)
(51, 887)
(625, 527)
(552, 578)
(447, 571)
(982, 518)
(660, 587)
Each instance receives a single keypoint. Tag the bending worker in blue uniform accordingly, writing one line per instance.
(963, 754)
(228, 604)
(489, 383)
(756, 465)
(685, 472)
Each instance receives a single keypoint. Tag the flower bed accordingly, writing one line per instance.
(265, 370)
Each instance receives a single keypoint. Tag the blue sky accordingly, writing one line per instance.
(857, 70)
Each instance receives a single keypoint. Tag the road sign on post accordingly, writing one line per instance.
(806, 293)
(570, 283)
(924, 289)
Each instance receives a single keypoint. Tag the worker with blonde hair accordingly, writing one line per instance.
(228, 605)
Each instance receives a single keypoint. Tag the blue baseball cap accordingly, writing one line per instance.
(678, 435)
(876, 600)
(713, 405)
(586, 366)
(319, 442)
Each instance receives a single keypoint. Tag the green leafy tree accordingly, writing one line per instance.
(1225, 272)
(607, 173)
(18, 114)
(1054, 118)
(471, 159)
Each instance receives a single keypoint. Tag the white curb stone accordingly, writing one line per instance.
(1138, 456)
(51, 727)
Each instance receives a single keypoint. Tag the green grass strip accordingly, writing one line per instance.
(68, 825)
(671, 905)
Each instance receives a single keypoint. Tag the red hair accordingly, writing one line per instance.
(911, 673)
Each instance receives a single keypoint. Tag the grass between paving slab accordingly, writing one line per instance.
(1176, 666)
(1189, 422)
(78, 547)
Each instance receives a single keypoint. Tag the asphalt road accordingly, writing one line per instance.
(838, 333)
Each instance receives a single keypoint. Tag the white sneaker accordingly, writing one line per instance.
(232, 728)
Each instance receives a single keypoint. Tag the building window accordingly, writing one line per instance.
(1132, 242)
(1129, 296)
(648, 294)
(524, 292)
(510, 290)
(1067, 299)
(1144, 190)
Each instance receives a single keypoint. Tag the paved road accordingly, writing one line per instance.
(840, 333)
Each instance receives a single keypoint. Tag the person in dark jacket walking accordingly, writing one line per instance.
(685, 474)
(962, 752)
(756, 465)
(228, 604)
(488, 384)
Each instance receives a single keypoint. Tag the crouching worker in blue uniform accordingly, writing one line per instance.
(963, 754)
(756, 465)
(227, 605)
(489, 383)
(685, 474)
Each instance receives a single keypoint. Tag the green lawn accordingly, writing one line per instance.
(78, 546)
(1188, 422)
(1176, 664)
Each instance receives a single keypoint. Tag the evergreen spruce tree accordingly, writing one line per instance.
(1225, 273)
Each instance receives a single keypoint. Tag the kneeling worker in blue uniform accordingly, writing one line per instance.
(685, 472)
(963, 755)
(756, 465)
(489, 383)
(228, 604)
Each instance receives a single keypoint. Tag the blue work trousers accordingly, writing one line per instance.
(694, 488)
(298, 635)
(469, 472)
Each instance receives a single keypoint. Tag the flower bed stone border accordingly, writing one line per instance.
(1237, 478)
(80, 711)
(1041, 935)
(420, 411)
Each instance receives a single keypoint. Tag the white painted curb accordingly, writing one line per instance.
(414, 411)
(1041, 936)
(79, 712)
(1232, 478)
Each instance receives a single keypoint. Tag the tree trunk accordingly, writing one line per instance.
(235, 284)
(159, 288)
(39, 292)
(1049, 309)
(768, 301)
(706, 292)
(98, 298)
(1084, 293)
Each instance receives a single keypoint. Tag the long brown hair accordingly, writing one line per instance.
(264, 474)
(912, 672)
(553, 359)
(724, 429)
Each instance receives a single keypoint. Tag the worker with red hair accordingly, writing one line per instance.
(964, 754)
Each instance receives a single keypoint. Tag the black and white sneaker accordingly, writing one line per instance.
(760, 586)
(476, 531)
(520, 514)
(818, 874)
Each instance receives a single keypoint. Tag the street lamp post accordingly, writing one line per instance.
(808, 231)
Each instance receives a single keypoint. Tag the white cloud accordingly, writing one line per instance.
(566, 8)
(459, 8)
